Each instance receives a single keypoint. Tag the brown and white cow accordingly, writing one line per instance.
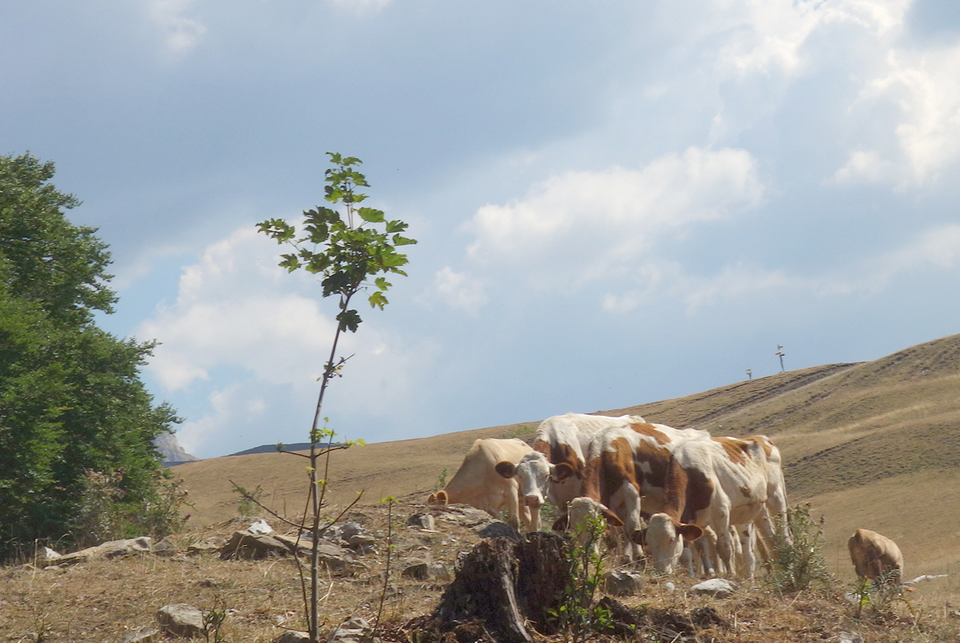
(716, 483)
(478, 484)
(627, 469)
(875, 556)
(554, 471)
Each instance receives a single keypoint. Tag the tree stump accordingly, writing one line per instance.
(500, 587)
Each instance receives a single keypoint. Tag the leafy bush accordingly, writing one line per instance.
(798, 559)
(579, 615)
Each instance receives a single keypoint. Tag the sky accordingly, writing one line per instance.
(615, 203)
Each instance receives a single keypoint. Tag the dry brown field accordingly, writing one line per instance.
(873, 444)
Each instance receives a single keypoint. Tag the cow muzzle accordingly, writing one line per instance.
(533, 501)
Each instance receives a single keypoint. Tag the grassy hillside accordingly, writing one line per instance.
(874, 444)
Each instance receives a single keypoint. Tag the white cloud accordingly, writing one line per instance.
(460, 290)
(865, 166)
(182, 33)
(362, 7)
(764, 36)
(581, 227)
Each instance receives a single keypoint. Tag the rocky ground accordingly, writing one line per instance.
(122, 592)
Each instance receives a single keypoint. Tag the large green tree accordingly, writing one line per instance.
(71, 400)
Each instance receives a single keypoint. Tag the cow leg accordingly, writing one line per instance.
(725, 549)
(747, 560)
(513, 509)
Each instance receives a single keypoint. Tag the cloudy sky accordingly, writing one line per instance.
(615, 203)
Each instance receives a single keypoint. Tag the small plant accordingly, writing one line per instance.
(249, 501)
(879, 595)
(579, 615)
(389, 500)
(441, 480)
(213, 620)
(798, 558)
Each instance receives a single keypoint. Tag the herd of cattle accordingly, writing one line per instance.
(680, 496)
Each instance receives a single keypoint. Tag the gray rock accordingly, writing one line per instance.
(165, 548)
(350, 631)
(141, 635)
(292, 637)
(716, 587)
(260, 528)
(621, 583)
(463, 515)
(180, 620)
(112, 549)
(421, 521)
(48, 556)
(417, 571)
(363, 543)
(849, 637)
(244, 545)
(350, 529)
(207, 546)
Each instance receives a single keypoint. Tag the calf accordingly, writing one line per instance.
(874, 556)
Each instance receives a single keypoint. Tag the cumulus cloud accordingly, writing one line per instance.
(580, 227)
(248, 337)
(865, 166)
(460, 290)
(182, 33)
(767, 36)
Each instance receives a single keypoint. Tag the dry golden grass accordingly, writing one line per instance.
(104, 600)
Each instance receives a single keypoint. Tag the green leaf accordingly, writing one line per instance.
(370, 215)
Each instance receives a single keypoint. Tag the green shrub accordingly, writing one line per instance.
(798, 559)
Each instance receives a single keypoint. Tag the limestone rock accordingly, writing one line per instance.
(352, 630)
(621, 583)
(716, 587)
(180, 620)
(498, 530)
(421, 521)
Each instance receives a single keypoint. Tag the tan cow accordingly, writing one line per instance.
(875, 556)
(478, 484)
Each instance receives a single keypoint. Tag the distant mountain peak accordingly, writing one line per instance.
(171, 451)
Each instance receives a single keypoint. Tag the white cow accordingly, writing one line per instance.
(478, 484)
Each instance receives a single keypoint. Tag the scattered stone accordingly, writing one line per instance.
(670, 587)
(463, 515)
(849, 637)
(112, 549)
(438, 572)
(363, 543)
(180, 620)
(716, 587)
(47, 556)
(245, 545)
(260, 528)
(353, 630)
(292, 637)
(165, 548)
(422, 571)
(350, 529)
(421, 521)
(141, 635)
(499, 530)
(621, 583)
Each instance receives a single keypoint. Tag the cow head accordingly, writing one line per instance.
(664, 540)
(535, 474)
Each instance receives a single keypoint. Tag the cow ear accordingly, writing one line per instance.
(689, 532)
(561, 471)
(506, 469)
(441, 498)
(612, 519)
(640, 537)
(432, 499)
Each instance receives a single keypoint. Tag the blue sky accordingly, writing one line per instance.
(614, 204)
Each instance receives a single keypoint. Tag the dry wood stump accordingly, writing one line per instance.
(502, 588)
